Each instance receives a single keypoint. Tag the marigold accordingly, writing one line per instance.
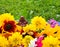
(50, 42)
(46, 31)
(3, 42)
(15, 39)
(55, 31)
(39, 22)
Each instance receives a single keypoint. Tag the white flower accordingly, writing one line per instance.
(32, 43)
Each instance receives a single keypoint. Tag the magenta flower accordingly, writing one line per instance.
(39, 41)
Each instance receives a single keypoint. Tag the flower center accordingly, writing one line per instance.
(55, 32)
(8, 27)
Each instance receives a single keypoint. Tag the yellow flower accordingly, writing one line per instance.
(7, 22)
(55, 31)
(50, 42)
(26, 40)
(3, 42)
(39, 22)
(46, 31)
(32, 27)
(29, 27)
(57, 34)
(26, 28)
(15, 39)
(51, 31)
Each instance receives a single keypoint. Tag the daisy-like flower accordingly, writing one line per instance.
(7, 22)
(50, 42)
(51, 31)
(55, 31)
(15, 39)
(9, 26)
(39, 22)
(47, 31)
(3, 42)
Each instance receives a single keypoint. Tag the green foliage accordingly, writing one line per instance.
(30, 8)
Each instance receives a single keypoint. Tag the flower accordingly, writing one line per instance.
(3, 42)
(32, 43)
(26, 40)
(50, 42)
(9, 26)
(15, 39)
(7, 22)
(39, 41)
(31, 30)
(52, 22)
(46, 32)
(39, 22)
(29, 27)
(55, 31)
(51, 31)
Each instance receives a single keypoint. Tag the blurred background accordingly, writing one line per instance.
(30, 8)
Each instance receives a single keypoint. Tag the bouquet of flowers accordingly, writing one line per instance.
(38, 33)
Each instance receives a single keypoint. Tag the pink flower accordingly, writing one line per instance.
(52, 22)
(39, 41)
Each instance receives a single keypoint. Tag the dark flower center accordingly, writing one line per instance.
(8, 27)
(55, 32)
